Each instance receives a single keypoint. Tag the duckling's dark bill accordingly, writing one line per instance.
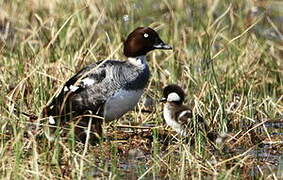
(162, 100)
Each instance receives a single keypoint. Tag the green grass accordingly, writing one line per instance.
(216, 58)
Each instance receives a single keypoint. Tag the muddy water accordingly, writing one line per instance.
(268, 155)
(132, 160)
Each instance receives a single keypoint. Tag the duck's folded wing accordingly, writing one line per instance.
(185, 116)
(75, 93)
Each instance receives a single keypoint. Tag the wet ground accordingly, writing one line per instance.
(261, 145)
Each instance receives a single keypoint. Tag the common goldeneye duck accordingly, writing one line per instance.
(108, 88)
(177, 115)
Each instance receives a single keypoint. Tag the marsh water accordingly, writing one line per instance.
(137, 155)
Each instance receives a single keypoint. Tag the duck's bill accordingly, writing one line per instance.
(162, 46)
(162, 100)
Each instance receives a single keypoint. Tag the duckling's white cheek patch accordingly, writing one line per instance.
(173, 97)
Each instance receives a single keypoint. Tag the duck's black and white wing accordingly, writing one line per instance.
(191, 123)
(91, 87)
(83, 91)
(184, 116)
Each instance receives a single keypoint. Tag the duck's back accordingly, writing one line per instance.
(105, 81)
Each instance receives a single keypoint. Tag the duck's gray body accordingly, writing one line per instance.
(108, 88)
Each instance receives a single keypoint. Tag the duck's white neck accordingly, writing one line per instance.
(138, 61)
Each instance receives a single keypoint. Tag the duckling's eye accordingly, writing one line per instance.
(145, 35)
